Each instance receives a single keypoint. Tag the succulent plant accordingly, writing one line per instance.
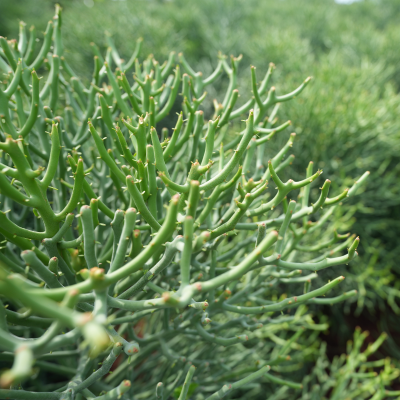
(155, 256)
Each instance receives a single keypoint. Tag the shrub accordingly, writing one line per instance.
(347, 49)
(150, 254)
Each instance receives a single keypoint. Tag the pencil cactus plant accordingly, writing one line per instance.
(139, 263)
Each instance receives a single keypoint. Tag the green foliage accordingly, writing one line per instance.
(162, 255)
(192, 388)
(351, 109)
(362, 134)
(351, 371)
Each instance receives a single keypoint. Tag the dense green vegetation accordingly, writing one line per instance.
(346, 121)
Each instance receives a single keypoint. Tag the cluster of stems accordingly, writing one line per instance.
(170, 257)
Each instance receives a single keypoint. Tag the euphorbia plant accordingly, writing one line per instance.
(142, 250)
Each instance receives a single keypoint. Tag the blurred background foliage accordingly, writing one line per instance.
(346, 121)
